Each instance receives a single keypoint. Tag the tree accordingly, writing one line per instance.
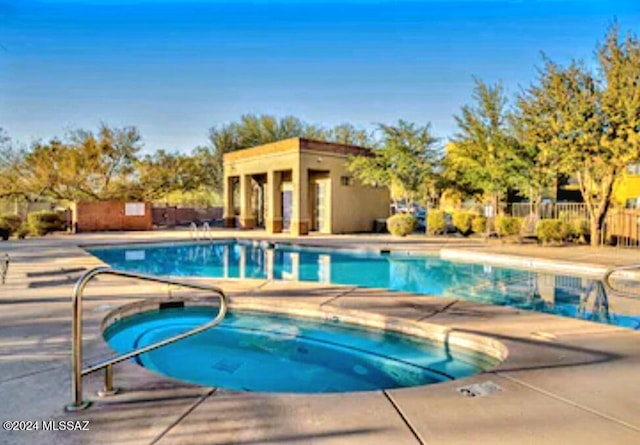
(350, 135)
(10, 159)
(82, 167)
(588, 124)
(252, 130)
(540, 173)
(406, 161)
(162, 173)
(484, 157)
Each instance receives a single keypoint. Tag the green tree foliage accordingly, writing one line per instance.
(538, 173)
(249, 131)
(85, 166)
(350, 135)
(588, 123)
(11, 158)
(162, 173)
(252, 130)
(405, 160)
(484, 158)
(107, 165)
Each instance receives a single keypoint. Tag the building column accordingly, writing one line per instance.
(229, 214)
(247, 220)
(274, 202)
(300, 211)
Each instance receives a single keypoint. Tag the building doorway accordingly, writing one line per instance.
(287, 209)
(320, 206)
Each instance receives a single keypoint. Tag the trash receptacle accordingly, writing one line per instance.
(380, 226)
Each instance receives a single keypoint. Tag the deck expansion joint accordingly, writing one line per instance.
(404, 418)
(439, 311)
(261, 285)
(339, 295)
(32, 373)
(570, 402)
(189, 410)
(250, 291)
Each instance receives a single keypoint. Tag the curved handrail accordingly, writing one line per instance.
(607, 279)
(193, 230)
(206, 231)
(77, 372)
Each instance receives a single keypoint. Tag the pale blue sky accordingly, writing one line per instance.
(174, 69)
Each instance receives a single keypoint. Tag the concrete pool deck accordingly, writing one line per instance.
(565, 380)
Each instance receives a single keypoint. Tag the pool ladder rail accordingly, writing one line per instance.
(202, 233)
(627, 291)
(78, 372)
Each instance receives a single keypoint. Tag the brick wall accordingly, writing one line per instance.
(110, 215)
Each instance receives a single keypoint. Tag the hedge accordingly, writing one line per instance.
(479, 224)
(463, 221)
(581, 229)
(508, 225)
(10, 223)
(41, 223)
(401, 224)
(553, 230)
(436, 221)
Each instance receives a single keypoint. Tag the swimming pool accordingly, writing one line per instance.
(562, 295)
(276, 353)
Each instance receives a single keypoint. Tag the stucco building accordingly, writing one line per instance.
(299, 185)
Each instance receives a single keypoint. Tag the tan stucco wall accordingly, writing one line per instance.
(352, 208)
(281, 155)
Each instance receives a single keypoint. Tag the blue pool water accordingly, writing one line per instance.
(272, 353)
(556, 294)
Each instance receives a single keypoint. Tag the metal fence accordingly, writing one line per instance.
(562, 210)
(170, 216)
(621, 228)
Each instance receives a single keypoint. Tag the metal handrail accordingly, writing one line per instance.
(206, 231)
(607, 279)
(77, 372)
(193, 230)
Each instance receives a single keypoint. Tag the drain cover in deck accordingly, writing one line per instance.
(480, 389)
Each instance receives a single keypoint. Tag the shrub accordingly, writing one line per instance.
(436, 221)
(463, 220)
(10, 223)
(23, 231)
(401, 224)
(553, 230)
(580, 229)
(479, 224)
(508, 225)
(41, 223)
